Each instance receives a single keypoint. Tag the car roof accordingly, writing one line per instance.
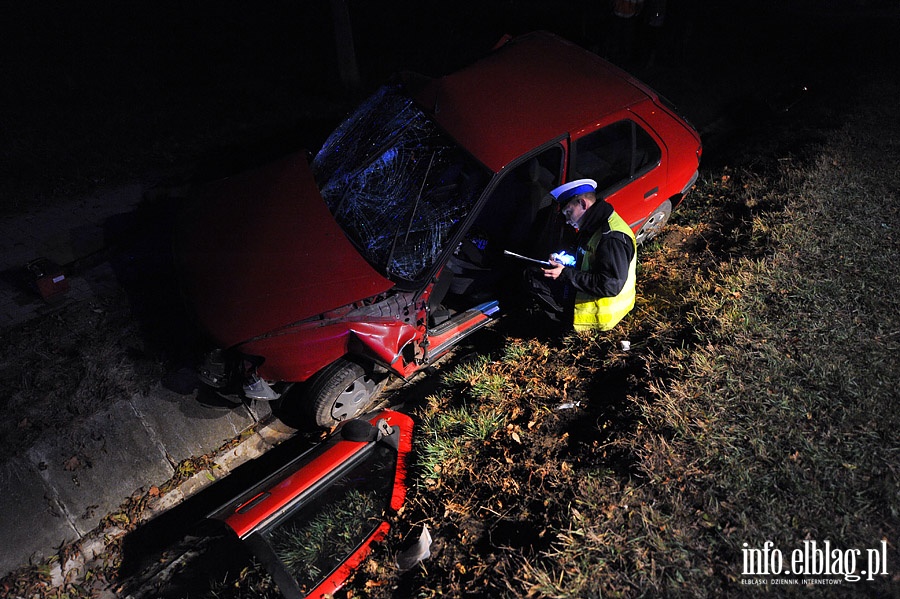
(530, 90)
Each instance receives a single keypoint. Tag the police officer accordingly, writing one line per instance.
(602, 277)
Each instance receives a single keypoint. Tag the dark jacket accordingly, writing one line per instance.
(610, 264)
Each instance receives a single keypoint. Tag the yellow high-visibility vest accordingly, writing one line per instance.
(605, 312)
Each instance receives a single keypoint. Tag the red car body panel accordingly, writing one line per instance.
(254, 511)
(261, 251)
(274, 275)
(680, 143)
(526, 93)
(296, 353)
(636, 201)
(273, 499)
(339, 577)
(537, 87)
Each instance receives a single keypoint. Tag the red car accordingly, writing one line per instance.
(387, 249)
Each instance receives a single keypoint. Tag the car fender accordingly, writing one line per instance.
(298, 354)
(386, 340)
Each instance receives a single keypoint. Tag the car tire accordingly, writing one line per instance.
(654, 223)
(343, 390)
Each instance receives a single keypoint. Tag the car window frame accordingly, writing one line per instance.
(261, 546)
(337, 456)
(634, 175)
(562, 140)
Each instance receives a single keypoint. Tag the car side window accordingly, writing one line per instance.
(312, 539)
(615, 154)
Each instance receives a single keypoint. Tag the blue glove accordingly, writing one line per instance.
(563, 258)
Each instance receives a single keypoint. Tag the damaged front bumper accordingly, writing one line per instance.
(227, 372)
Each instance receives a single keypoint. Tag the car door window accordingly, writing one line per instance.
(516, 216)
(614, 155)
(311, 541)
(510, 213)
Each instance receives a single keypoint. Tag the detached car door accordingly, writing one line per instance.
(312, 522)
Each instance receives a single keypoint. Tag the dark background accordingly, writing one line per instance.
(97, 93)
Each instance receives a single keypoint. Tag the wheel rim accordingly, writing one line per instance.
(653, 225)
(354, 398)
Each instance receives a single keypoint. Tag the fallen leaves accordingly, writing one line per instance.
(75, 463)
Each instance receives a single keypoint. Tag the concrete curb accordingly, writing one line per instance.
(76, 561)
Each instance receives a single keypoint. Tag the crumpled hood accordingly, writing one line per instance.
(259, 251)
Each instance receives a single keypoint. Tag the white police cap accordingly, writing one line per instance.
(567, 191)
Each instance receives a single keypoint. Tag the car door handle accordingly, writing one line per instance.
(651, 193)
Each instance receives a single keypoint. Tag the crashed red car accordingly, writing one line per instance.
(386, 250)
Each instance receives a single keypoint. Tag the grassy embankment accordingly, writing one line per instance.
(758, 402)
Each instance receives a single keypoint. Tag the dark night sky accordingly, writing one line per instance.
(96, 91)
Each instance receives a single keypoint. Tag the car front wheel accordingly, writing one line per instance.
(342, 391)
(655, 222)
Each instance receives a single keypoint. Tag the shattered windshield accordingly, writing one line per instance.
(396, 184)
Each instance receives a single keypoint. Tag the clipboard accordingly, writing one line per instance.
(544, 263)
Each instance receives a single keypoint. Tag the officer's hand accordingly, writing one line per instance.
(554, 270)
